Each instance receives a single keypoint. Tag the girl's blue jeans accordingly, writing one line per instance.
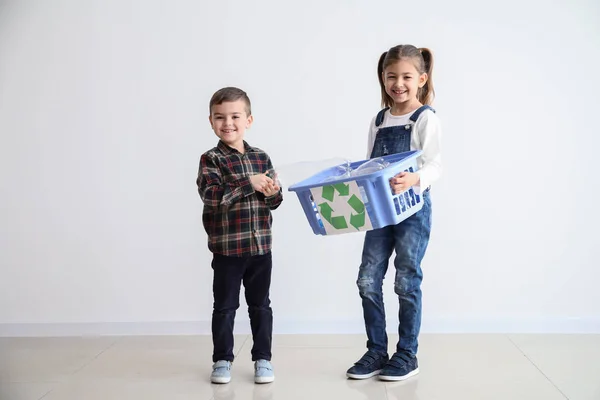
(409, 239)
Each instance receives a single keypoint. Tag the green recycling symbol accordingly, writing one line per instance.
(356, 220)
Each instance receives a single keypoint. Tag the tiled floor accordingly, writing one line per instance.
(482, 367)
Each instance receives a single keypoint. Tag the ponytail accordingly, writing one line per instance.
(427, 93)
(386, 100)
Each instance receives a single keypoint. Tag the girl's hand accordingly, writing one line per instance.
(404, 181)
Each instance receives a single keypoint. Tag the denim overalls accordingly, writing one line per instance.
(409, 239)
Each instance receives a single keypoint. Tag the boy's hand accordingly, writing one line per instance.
(404, 181)
(261, 182)
(271, 190)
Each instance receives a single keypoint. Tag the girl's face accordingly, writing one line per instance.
(402, 81)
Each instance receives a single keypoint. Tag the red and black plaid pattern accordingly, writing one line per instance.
(236, 218)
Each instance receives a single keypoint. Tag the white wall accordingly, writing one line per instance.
(103, 117)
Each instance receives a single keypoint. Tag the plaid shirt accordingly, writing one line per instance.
(236, 218)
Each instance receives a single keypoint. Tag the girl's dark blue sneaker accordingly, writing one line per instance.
(369, 365)
(400, 367)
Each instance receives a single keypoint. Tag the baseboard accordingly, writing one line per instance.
(584, 325)
(566, 325)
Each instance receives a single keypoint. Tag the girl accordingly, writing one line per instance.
(406, 123)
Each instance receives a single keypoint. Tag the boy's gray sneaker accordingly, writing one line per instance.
(263, 372)
(221, 372)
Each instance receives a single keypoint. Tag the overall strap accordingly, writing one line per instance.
(418, 112)
(380, 115)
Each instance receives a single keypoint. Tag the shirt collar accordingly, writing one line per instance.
(229, 150)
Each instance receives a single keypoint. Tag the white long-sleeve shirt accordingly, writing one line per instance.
(425, 136)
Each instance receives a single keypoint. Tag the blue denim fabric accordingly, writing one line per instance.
(409, 239)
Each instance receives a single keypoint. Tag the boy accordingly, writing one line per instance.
(238, 197)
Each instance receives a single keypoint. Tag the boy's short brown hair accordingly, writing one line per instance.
(230, 94)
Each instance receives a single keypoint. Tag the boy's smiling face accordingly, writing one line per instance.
(229, 121)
